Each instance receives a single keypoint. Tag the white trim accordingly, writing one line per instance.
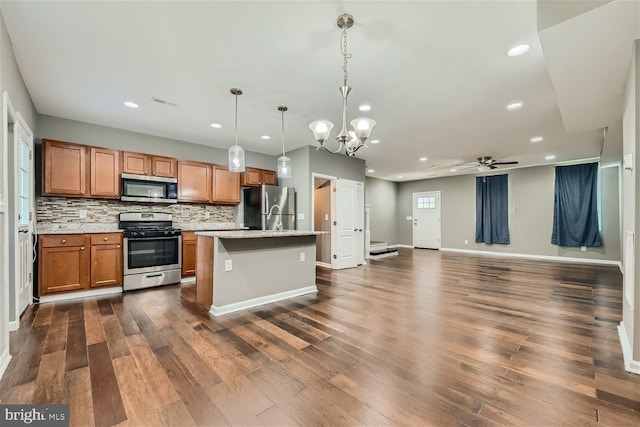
(191, 279)
(5, 358)
(7, 112)
(629, 364)
(14, 325)
(312, 223)
(413, 213)
(621, 267)
(401, 246)
(323, 264)
(81, 294)
(254, 302)
(538, 257)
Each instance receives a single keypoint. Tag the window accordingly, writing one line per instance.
(492, 209)
(427, 202)
(575, 206)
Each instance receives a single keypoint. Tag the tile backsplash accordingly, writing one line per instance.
(60, 210)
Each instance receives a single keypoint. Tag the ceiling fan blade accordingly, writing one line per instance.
(504, 163)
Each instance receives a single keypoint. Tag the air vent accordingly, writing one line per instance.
(164, 101)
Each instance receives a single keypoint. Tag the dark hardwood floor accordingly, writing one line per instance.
(423, 338)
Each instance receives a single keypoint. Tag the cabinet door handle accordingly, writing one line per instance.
(82, 248)
(64, 241)
(106, 238)
(118, 246)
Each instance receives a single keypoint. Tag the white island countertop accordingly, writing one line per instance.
(258, 234)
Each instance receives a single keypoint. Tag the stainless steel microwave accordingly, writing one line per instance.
(152, 189)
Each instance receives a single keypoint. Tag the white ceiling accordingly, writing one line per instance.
(436, 73)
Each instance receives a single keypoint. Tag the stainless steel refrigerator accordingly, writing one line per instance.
(270, 207)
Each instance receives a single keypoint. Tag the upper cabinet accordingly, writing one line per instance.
(105, 173)
(253, 177)
(65, 169)
(194, 181)
(226, 185)
(146, 164)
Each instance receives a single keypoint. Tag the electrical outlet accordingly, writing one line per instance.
(302, 256)
(82, 213)
(207, 215)
(301, 217)
(326, 217)
(228, 265)
(466, 242)
(409, 218)
(583, 248)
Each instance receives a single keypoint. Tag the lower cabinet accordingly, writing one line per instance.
(75, 262)
(188, 253)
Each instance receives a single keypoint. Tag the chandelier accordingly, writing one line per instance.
(351, 141)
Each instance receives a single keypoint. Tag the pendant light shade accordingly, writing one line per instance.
(284, 163)
(236, 153)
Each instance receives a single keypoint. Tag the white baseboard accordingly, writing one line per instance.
(389, 254)
(400, 246)
(629, 364)
(237, 306)
(81, 294)
(621, 267)
(5, 358)
(538, 257)
(188, 279)
(323, 264)
(14, 325)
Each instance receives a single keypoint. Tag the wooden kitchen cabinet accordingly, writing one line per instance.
(225, 186)
(105, 173)
(63, 263)
(106, 260)
(252, 177)
(189, 253)
(147, 164)
(194, 181)
(65, 169)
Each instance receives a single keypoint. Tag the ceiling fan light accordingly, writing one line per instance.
(483, 168)
(321, 130)
(363, 127)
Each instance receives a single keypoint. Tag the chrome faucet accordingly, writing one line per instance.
(279, 222)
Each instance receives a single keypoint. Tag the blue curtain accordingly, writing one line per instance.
(492, 209)
(575, 206)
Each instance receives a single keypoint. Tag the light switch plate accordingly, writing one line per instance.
(228, 265)
(628, 161)
(1, 202)
(301, 217)
(409, 218)
(302, 256)
(82, 213)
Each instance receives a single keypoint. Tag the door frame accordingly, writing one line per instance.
(334, 183)
(19, 121)
(413, 213)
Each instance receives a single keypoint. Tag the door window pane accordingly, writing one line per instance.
(427, 202)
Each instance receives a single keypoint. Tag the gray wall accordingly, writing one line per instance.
(51, 127)
(322, 202)
(530, 213)
(301, 181)
(382, 197)
(11, 81)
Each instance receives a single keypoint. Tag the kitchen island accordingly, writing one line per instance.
(236, 270)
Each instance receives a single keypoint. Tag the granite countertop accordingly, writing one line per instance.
(205, 226)
(257, 234)
(76, 228)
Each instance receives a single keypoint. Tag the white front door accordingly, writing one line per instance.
(426, 220)
(350, 224)
(24, 186)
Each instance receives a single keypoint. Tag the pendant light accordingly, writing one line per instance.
(236, 153)
(284, 163)
(351, 141)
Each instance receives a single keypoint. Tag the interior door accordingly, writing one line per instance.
(350, 223)
(24, 187)
(426, 220)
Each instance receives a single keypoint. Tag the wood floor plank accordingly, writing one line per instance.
(93, 326)
(133, 390)
(76, 354)
(49, 387)
(79, 397)
(175, 414)
(108, 408)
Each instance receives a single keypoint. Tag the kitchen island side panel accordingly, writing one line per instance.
(262, 267)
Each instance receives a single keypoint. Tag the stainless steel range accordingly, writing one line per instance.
(152, 250)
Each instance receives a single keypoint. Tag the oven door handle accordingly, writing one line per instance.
(151, 238)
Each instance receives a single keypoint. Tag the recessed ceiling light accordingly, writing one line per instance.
(518, 50)
(131, 104)
(216, 125)
(423, 159)
(536, 139)
(370, 170)
(453, 170)
(514, 106)
(364, 107)
(265, 137)
(550, 157)
(375, 141)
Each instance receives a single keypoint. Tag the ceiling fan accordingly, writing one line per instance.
(486, 163)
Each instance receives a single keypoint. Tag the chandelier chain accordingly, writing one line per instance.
(345, 54)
